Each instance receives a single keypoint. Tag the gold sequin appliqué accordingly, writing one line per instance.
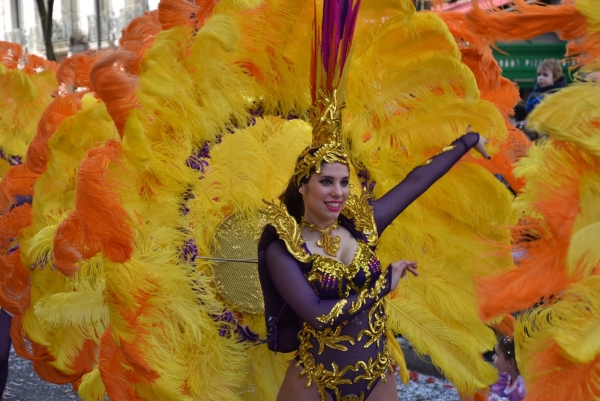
(334, 268)
(336, 311)
(363, 295)
(372, 369)
(373, 293)
(329, 338)
(377, 324)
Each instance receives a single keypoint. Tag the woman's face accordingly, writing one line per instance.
(325, 194)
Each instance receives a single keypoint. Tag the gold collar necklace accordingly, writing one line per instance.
(330, 244)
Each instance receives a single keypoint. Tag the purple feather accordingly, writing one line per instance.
(337, 32)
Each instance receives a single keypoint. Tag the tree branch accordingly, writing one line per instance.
(46, 20)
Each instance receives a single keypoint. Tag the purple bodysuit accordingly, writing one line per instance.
(333, 315)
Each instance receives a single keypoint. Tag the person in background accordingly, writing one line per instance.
(5, 320)
(510, 385)
(550, 78)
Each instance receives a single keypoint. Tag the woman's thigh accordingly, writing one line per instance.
(293, 387)
(387, 391)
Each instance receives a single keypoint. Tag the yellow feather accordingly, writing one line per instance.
(84, 312)
(568, 125)
(91, 387)
(448, 347)
(222, 29)
(135, 146)
(266, 373)
(576, 325)
(591, 10)
(398, 356)
(283, 148)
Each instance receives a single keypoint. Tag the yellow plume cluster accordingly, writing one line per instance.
(23, 97)
(184, 127)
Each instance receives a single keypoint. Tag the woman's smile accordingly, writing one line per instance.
(335, 206)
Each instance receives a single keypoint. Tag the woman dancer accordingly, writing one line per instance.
(322, 283)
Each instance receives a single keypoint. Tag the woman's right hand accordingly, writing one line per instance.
(399, 270)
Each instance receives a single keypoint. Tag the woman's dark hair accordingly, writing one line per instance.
(292, 198)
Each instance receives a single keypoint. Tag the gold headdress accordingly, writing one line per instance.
(332, 46)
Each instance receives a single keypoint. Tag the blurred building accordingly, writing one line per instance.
(74, 23)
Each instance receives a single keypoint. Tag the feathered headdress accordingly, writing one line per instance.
(332, 46)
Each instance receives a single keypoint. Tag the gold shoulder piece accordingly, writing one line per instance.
(359, 209)
(288, 230)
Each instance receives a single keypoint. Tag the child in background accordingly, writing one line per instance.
(550, 78)
(510, 385)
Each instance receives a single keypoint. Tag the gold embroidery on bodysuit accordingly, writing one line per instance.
(374, 369)
(334, 268)
(332, 379)
(337, 269)
(370, 370)
(377, 324)
(330, 338)
(359, 209)
(373, 294)
(337, 310)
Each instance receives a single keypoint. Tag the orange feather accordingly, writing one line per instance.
(36, 64)
(12, 223)
(102, 214)
(527, 21)
(506, 326)
(172, 13)
(541, 273)
(139, 35)
(114, 79)
(14, 284)
(563, 379)
(24, 347)
(74, 72)
(10, 54)
(115, 374)
(59, 109)
(19, 180)
(99, 221)
(69, 245)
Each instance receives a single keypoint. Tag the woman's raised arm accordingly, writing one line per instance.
(388, 207)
